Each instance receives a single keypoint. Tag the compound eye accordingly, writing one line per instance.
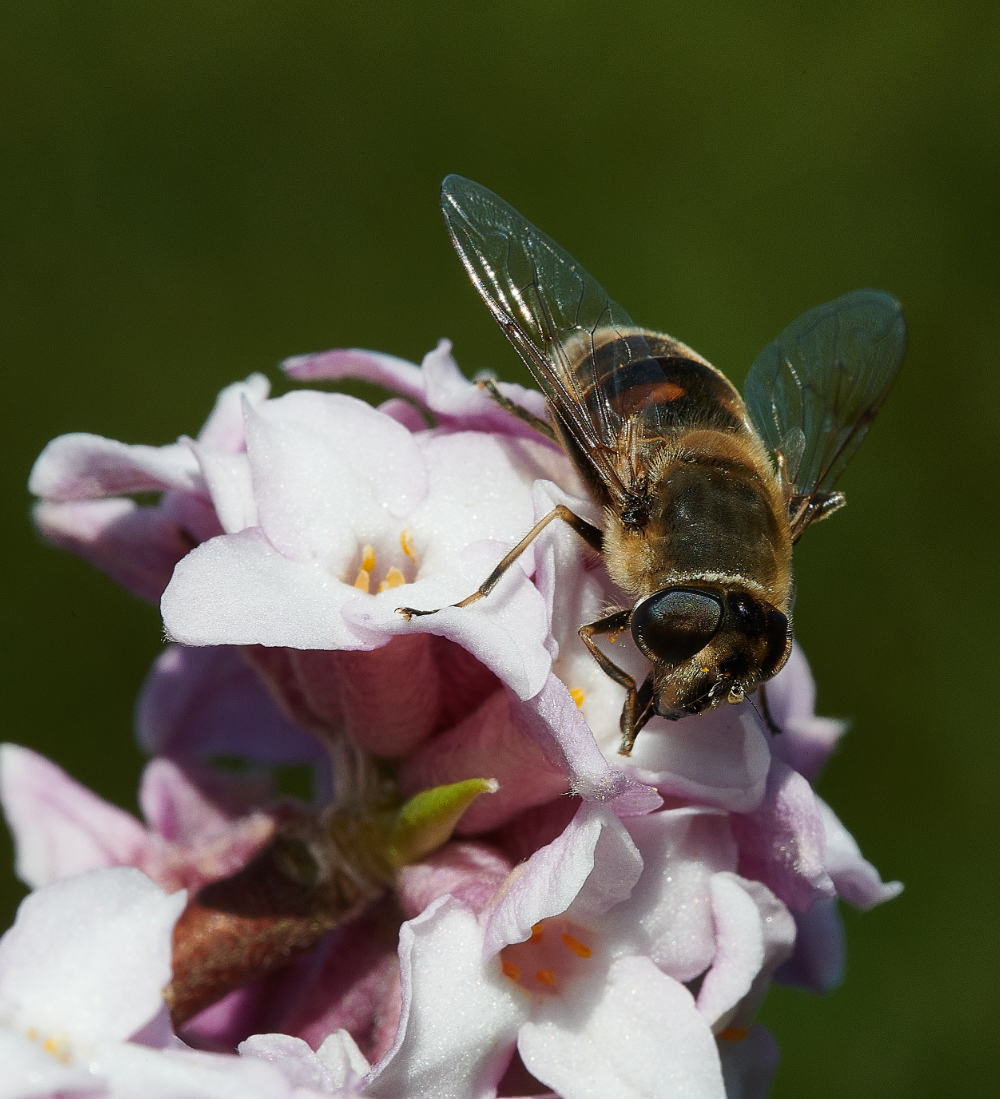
(674, 624)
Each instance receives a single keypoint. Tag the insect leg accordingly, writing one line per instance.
(638, 708)
(543, 427)
(587, 531)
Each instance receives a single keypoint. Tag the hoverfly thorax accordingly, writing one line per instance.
(703, 495)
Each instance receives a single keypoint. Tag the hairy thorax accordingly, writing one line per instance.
(716, 514)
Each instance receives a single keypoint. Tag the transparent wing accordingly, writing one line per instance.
(813, 393)
(553, 313)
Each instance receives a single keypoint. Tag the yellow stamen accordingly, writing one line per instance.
(364, 580)
(536, 933)
(511, 970)
(393, 579)
(406, 541)
(734, 1034)
(578, 694)
(546, 977)
(57, 1046)
(368, 558)
(576, 946)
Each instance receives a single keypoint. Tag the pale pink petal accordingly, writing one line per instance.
(856, 880)
(137, 547)
(343, 1060)
(590, 868)
(84, 467)
(779, 930)
(201, 703)
(806, 741)
(61, 828)
(782, 842)
(668, 916)
(439, 385)
(487, 744)
(291, 1057)
(817, 962)
(749, 1065)
(441, 1053)
(31, 1073)
(135, 1070)
(88, 956)
(739, 948)
(329, 470)
(223, 430)
(195, 805)
(470, 872)
(239, 590)
(555, 722)
(227, 479)
(403, 413)
(375, 367)
(719, 758)
(637, 1036)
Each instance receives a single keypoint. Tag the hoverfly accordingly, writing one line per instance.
(703, 493)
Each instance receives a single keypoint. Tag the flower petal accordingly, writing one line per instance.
(88, 956)
(669, 915)
(200, 703)
(61, 828)
(749, 1065)
(856, 880)
(459, 1018)
(590, 868)
(807, 740)
(137, 547)
(719, 758)
(817, 962)
(641, 1039)
(782, 842)
(31, 1073)
(85, 467)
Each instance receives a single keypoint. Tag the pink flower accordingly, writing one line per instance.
(196, 831)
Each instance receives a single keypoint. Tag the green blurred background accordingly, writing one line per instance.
(192, 191)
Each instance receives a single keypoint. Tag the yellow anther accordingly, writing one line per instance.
(406, 541)
(393, 579)
(546, 977)
(576, 946)
(734, 1034)
(364, 580)
(57, 1046)
(536, 933)
(511, 970)
(368, 558)
(612, 638)
(578, 694)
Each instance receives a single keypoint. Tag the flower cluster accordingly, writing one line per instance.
(597, 925)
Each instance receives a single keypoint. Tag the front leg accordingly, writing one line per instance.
(543, 427)
(638, 708)
(587, 531)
